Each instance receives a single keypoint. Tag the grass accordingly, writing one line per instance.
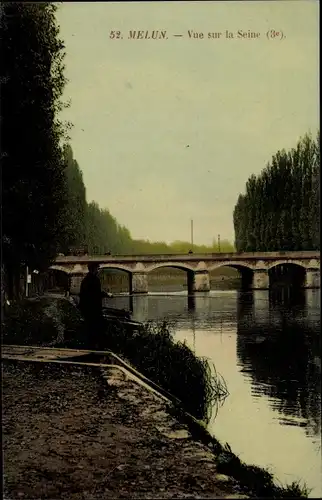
(255, 481)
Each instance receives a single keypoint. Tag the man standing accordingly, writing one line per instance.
(90, 305)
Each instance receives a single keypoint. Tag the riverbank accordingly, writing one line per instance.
(73, 432)
(252, 480)
(150, 348)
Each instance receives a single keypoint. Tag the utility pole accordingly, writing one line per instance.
(27, 281)
(219, 243)
(191, 234)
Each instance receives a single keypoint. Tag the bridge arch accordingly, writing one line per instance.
(175, 265)
(169, 277)
(62, 269)
(287, 273)
(115, 278)
(287, 262)
(56, 279)
(234, 264)
(116, 267)
(246, 271)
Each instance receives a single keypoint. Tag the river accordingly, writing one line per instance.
(267, 347)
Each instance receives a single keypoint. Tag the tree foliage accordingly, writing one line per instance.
(281, 207)
(103, 233)
(33, 178)
(75, 209)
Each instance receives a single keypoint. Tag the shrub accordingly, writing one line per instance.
(170, 364)
(41, 322)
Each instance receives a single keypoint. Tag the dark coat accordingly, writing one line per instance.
(90, 296)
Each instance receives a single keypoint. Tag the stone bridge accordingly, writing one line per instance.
(256, 268)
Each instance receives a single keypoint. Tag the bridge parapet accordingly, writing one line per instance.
(244, 256)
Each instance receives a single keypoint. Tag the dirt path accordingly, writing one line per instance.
(69, 433)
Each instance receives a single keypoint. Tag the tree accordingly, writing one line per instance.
(315, 198)
(281, 207)
(33, 180)
(75, 207)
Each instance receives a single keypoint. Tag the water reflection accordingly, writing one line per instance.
(192, 302)
(139, 305)
(266, 345)
(282, 358)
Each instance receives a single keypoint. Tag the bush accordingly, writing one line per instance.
(172, 365)
(41, 322)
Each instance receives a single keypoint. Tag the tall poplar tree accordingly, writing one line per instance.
(280, 209)
(33, 180)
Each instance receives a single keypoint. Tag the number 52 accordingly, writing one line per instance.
(115, 34)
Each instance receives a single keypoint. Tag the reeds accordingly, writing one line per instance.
(172, 365)
(254, 481)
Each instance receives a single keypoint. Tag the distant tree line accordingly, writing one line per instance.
(281, 207)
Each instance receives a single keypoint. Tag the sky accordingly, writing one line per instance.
(169, 130)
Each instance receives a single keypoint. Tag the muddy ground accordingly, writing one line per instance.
(79, 432)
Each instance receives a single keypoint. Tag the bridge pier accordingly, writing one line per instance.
(198, 281)
(260, 279)
(312, 278)
(75, 283)
(139, 283)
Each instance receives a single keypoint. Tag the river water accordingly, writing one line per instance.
(267, 347)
